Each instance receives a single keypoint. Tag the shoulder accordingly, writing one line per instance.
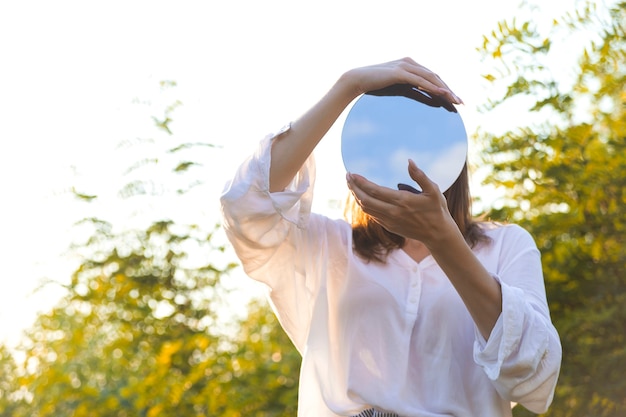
(509, 234)
(508, 244)
(333, 229)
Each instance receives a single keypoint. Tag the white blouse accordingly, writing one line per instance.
(396, 336)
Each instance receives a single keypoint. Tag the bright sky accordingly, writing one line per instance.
(70, 70)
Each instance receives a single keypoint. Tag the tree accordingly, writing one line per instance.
(563, 177)
(137, 335)
(139, 331)
(12, 402)
(264, 368)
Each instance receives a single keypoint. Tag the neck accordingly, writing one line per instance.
(415, 249)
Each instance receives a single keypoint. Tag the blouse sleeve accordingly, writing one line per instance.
(275, 236)
(522, 357)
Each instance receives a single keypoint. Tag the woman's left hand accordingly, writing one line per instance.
(424, 217)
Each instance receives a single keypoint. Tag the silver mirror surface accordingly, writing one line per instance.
(384, 129)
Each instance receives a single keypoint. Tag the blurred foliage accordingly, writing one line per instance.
(141, 330)
(564, 179)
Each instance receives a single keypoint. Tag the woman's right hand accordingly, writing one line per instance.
(401, 71)
(291, 149)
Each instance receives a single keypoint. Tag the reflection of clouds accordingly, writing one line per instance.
(359, 128)
(362, 165)
(398, 163)
(441, 165)
(401, 156)
(369, 167)
(444, 167)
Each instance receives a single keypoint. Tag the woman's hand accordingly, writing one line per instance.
(402, 71)
(424, 217)
(291, 149)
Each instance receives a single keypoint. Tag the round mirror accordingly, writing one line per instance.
(385, 128)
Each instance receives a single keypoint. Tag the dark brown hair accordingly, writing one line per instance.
(373, 242)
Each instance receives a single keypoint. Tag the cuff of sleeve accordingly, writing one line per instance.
(294, 202)
(506, 334)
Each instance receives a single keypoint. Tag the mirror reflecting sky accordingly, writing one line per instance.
(382, 132)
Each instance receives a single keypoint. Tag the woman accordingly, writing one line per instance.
(413, 309)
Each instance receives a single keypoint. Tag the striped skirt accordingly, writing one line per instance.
(375, 413)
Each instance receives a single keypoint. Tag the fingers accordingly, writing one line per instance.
(361, 188)
(402, 71)
(420, 177)
(372, 197)
(368, 192)
(427, 80)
